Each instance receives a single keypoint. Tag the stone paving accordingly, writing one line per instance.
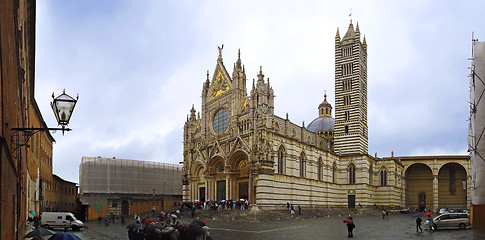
(397, 226)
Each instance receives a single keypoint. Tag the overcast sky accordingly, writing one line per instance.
(138, 66)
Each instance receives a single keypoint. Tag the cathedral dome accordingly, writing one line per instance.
(322, 124)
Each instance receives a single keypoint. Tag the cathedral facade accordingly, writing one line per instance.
(237, 148)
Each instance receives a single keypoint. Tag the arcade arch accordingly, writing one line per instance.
(452, 186)
(238, 178)
(419, 186)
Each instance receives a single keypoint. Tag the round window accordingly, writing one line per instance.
(220, 121)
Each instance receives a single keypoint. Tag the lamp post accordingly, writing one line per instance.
(63, 106)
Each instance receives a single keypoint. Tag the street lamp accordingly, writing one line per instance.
(63, 106)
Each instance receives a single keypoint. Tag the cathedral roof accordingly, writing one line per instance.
(322, 124)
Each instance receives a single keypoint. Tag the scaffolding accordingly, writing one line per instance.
(123, 176)
(476, 141)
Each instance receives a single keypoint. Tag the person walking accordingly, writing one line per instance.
(383, 214)
(418, 224)
(350, 226)
(430, 223)
(292, 210)
(299, 209)
(288, 206)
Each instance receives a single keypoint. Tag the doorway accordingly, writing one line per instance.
(221, 190)
(243, 190)
(202, 194)
(421, 201)
(125, 207)
(351, 200)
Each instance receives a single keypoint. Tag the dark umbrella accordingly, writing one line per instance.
(133, 226)
(65, 236)
(200, 222)
(39, 232)
(195, 229)
(416, 215)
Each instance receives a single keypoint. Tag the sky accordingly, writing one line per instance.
(139, 66)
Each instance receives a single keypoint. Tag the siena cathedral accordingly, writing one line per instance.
(237, 148)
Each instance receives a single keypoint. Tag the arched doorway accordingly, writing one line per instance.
(125, 207)
(216, 172)
(419, 187)
(239, 176)
(452, 186)
(198, 192)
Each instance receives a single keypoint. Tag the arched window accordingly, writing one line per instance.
(281, 160)
(320, 170)
(334, 172)
(302, 165)
(351, 173)
(383, 177)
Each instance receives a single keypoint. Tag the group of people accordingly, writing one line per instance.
(112, 218)
(430, 223)
(291, 209)
(148, 229)
(215, 205)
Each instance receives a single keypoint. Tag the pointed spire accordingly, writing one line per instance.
(338, 34)
(238, 62)
(260, 75)
(364, 42)
(207, 80)
(357, 28)
(350, 34)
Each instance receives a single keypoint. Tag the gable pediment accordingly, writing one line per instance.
(221, 82)
(216, 149)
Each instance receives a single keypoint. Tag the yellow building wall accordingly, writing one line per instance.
(93, 214)
(419, 179)
(477, 216)
(447, 199)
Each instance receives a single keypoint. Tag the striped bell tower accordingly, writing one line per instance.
(351, 133)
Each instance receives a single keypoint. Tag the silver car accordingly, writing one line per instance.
(451, 220)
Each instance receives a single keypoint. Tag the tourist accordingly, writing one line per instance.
(299, 209)
(288, 206)
(418, 223)
(430, 223)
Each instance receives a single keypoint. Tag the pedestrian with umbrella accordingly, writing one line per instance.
(350, 226)
(430, 221)
(418, 223)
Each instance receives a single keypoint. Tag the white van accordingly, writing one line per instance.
(60, 220)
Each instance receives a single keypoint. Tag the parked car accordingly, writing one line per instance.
(60, 220)
(451, 220)
(443, 211)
